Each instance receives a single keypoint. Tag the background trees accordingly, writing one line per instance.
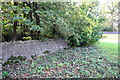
(110, 10)
(78, 23)
(113, 10)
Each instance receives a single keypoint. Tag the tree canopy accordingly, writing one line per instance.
(78, 23)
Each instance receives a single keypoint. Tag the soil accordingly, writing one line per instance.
(32, 47)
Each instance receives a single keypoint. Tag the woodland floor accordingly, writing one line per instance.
(97, 61)
(31, 47)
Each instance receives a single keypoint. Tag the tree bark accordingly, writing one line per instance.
(118, 16)
(35, 8)
(0, 27)
(15, 24)
(24, 26)
(31, 18)
(35, 14)
(112, 20)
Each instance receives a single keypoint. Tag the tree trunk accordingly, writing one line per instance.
(35, 14)
(35, 8)
(31, 18)
(15, 24)
(0, 26)
(118, 16)
(24, 26)
(112, 20)
(0, 34)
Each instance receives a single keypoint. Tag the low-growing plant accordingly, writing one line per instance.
(107, 29)
(60, 64)
(34, 56)
(46, 52)
(5, 74)
(27, 38)
(14, 60)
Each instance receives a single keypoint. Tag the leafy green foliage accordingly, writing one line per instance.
(14, 60)
(108, 29)
(27, 38)
(85, 28)
(84, 62)
(78, 25)
(5, 74)
(46, 52)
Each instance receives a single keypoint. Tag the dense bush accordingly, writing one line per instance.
(14, 60)
(82, 25)
(78, 23)
(107, 29)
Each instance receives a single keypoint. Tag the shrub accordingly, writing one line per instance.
(5, 74)
(84, 29)
(27, 38)
(107, 29)
(78, 24)
(84, 38)
(14, 60)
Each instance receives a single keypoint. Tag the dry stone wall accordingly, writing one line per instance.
(32, 47)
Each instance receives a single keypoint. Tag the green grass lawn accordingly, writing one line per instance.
(110, 50)
(98, 61)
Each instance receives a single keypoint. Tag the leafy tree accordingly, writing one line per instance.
(78, 23)
(113, 7)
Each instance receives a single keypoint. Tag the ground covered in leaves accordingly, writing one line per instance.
(78, 62)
